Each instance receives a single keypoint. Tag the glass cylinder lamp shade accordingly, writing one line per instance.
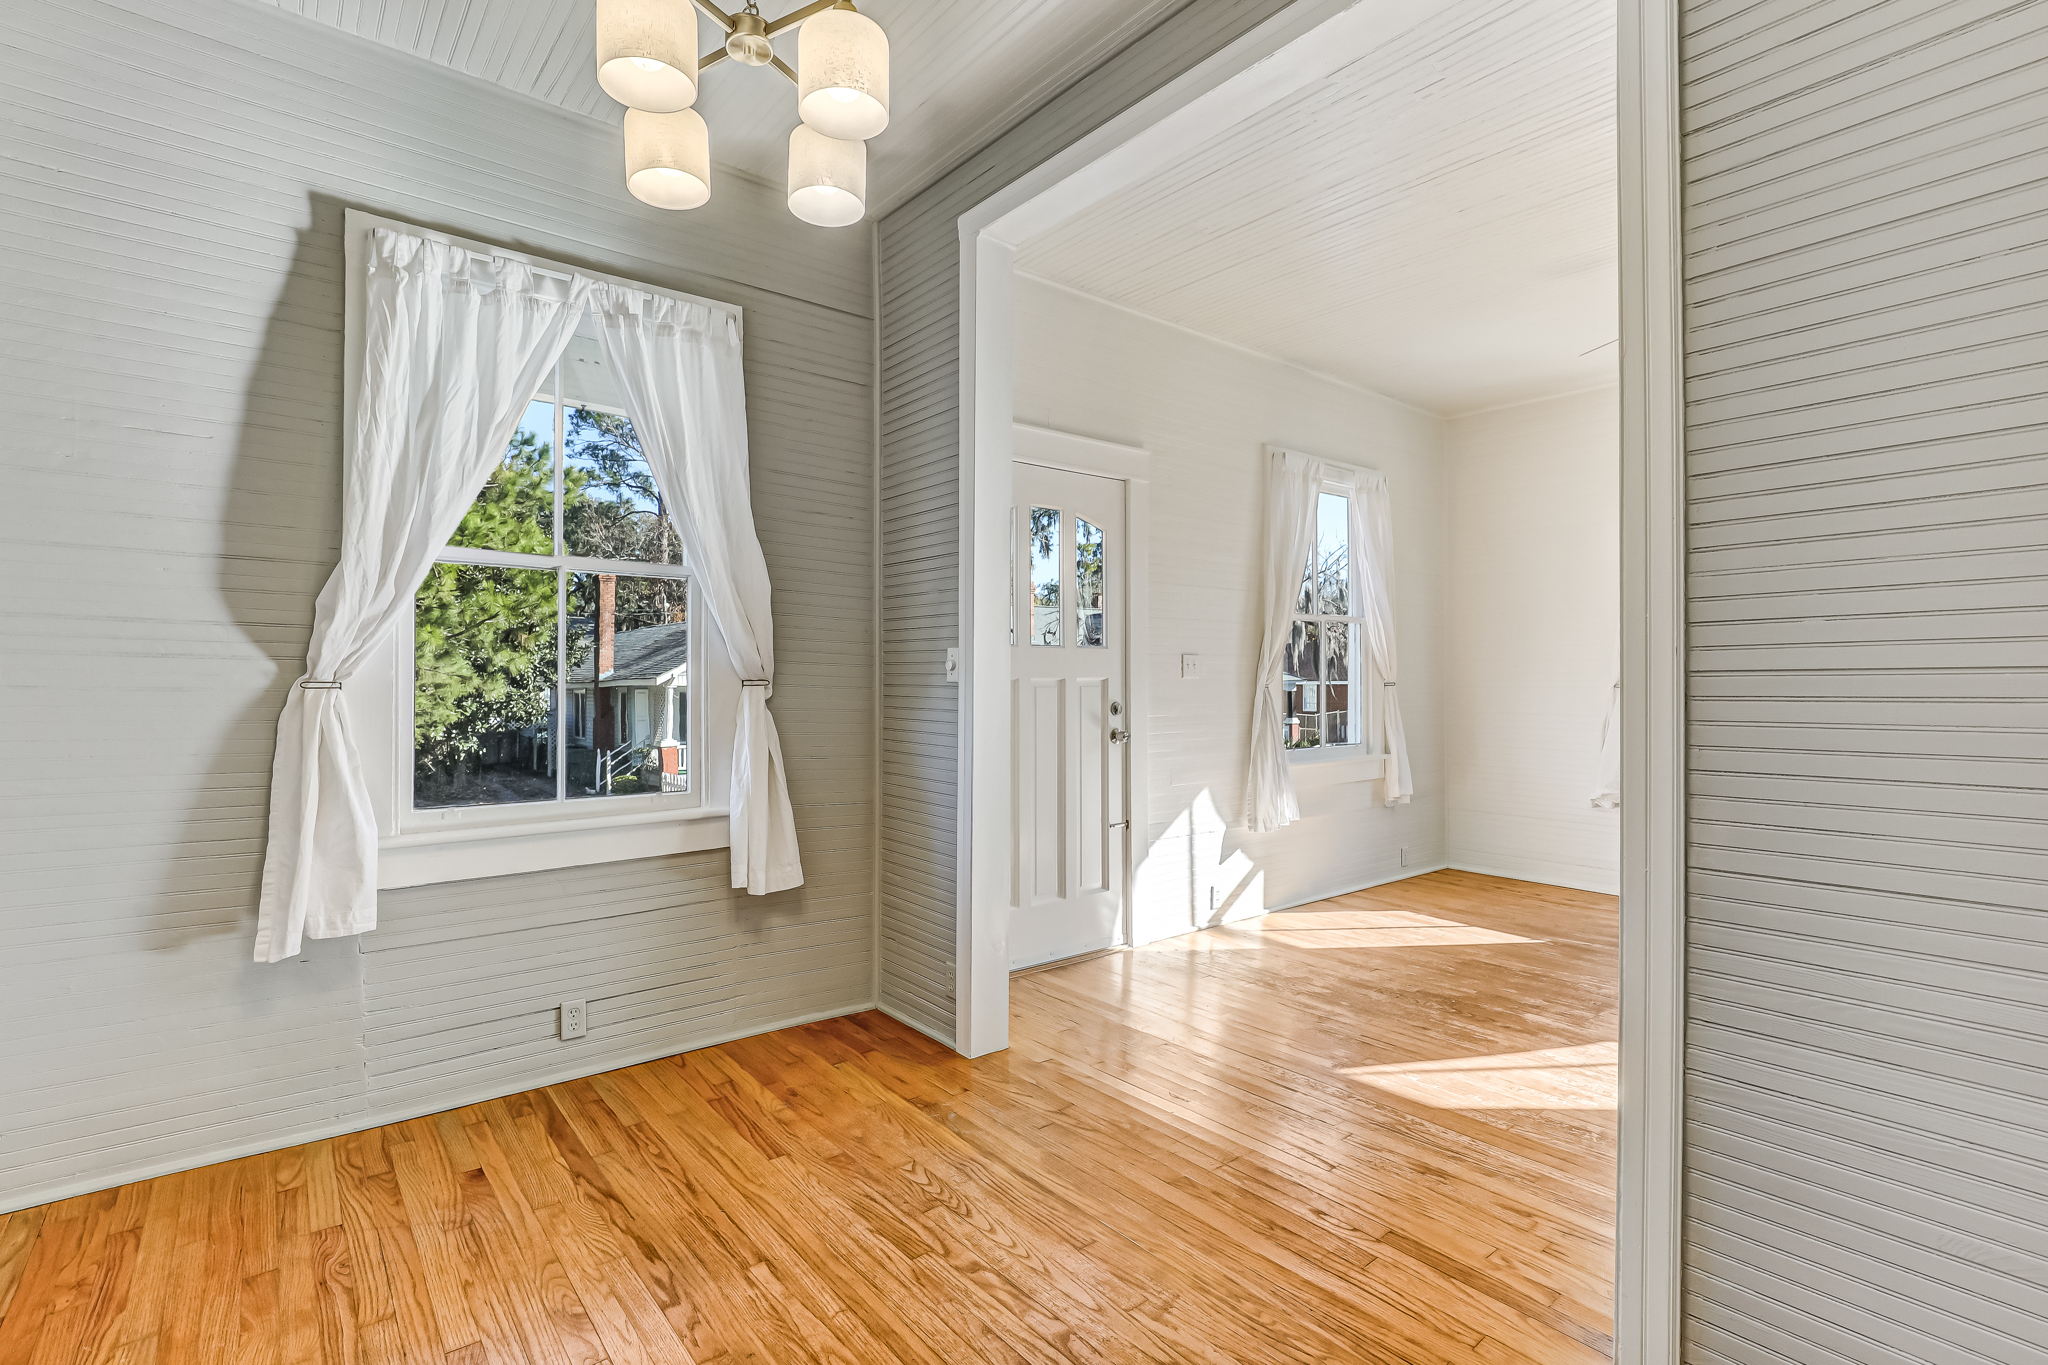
(842, 75)
(647, 53)
(828, 178)
(668, 158)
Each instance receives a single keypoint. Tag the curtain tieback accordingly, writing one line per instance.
(753, 682)
(1386, 684)
(321, 684)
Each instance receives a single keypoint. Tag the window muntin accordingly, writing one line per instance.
(544, 672)
(1321, 686)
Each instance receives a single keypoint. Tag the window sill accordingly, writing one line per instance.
(1330, 768)
(464, 853)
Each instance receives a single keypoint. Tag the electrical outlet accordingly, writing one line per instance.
(1191, 665)
(570, 1019)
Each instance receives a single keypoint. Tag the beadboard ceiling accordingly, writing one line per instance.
(1436, 221)
(961, 70)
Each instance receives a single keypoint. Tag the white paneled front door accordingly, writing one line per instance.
(1068, 715)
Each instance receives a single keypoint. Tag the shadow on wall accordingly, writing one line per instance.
(280, 535)
(148, 1032)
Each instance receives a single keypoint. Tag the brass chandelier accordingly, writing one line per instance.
(647, 60)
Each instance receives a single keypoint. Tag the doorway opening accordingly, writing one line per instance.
(1438, 315)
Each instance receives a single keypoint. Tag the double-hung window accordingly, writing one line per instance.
(533, 675)
(1325, 673)
(556, 692)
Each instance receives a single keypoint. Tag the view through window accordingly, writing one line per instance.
(551, 642)
(1321, 676)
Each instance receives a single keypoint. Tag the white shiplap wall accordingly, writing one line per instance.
(919, 252)
(1204, 411)
(1532, 569)
(1867, 431)
(170, 207)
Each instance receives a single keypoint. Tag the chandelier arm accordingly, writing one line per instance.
(783, 67)
(795, 17)
(712, 58)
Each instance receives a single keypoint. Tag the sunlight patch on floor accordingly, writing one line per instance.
(1581, 1077)
(1336, 929)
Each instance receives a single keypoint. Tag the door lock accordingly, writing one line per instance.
(1116, 708)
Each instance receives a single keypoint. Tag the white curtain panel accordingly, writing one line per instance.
(1292, 482)
(455, 343)
(1372, 531)
(678, 363)
(1607, 787)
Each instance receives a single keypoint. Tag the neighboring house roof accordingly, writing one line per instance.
(651, 652)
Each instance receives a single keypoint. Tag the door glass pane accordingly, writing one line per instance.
(1339, 641)
(611, 508)
(1332, 566)
(1300, 685)
(1042, 531)
(483, 686)
(1090, 546)
(515, 509)
(628, 677)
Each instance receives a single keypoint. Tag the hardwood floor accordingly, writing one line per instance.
(1374, 1130)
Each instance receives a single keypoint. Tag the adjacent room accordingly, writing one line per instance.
(1313, 629)
(919, 682)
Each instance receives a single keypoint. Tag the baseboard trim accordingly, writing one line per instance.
(914, 1026)
(1076, 960)
(1403, 875)
(359, 1121)
(1542, 877)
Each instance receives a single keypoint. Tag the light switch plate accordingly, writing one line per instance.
(953, 664)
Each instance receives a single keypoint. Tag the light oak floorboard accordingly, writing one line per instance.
(1377, 1129)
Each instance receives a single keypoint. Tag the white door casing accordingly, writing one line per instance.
(1069, 715)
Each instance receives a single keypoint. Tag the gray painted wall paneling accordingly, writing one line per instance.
(170, 206)
(1867, 300)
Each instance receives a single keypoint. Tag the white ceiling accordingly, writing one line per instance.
(1436, 221)
(961, 70)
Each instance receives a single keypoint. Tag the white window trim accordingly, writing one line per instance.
(423, 847)
(1341, 764)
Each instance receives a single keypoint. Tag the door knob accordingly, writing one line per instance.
(1119, 736)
